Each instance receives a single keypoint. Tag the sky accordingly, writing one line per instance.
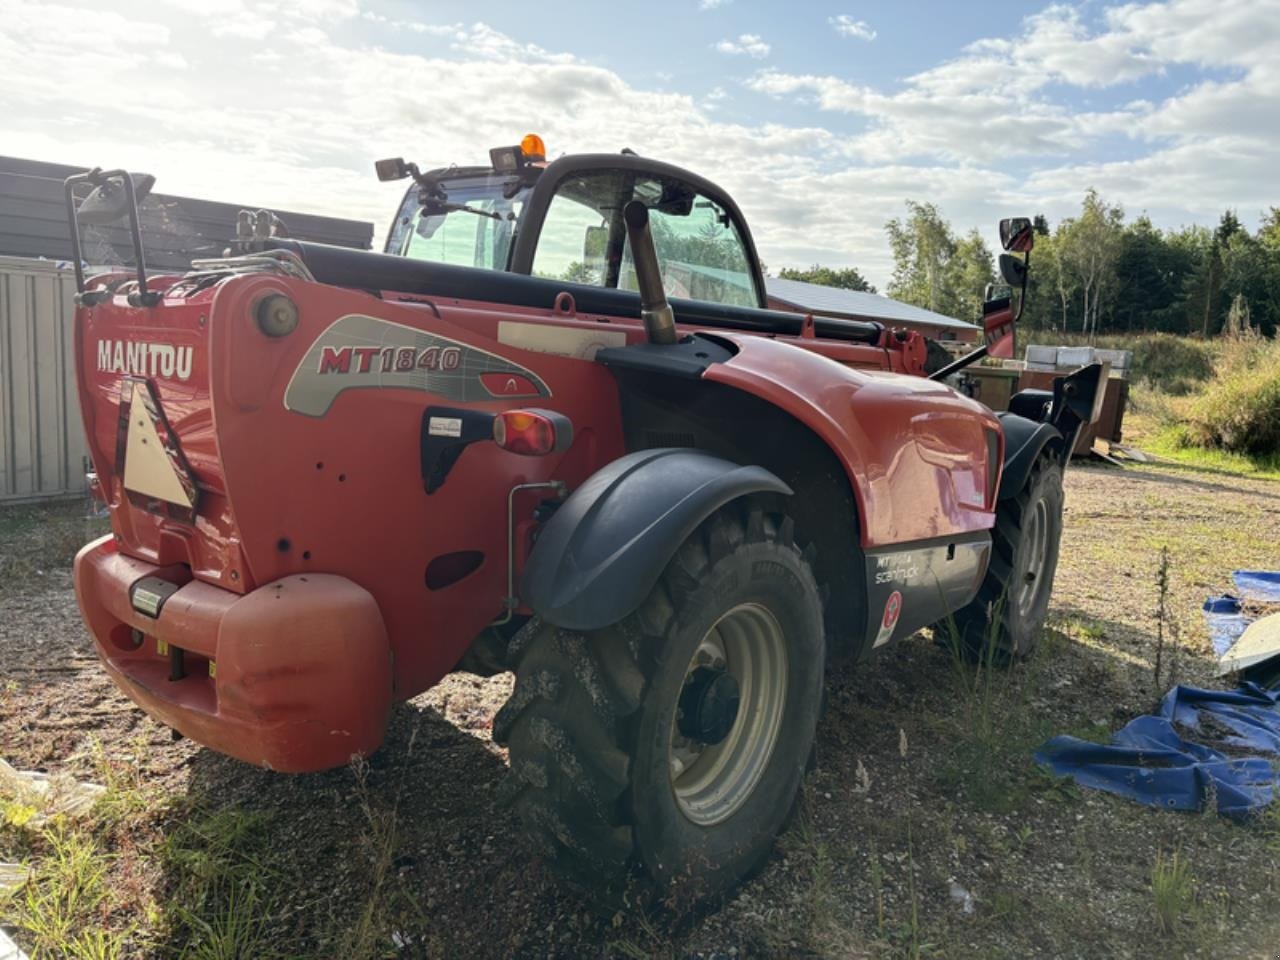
(821, 119)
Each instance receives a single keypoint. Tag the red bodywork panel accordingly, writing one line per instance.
(307, 465)
(915, 450)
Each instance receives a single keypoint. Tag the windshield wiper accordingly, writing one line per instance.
(437, 207)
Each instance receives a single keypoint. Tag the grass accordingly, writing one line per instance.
(39, 538)
(994, 728)
(65, 898)
(220, 864)
(1172, 893)
(1239, 408)
(1226, 423)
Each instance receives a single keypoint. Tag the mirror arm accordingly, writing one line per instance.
(1026, 274)
(968, 359)
(68, 187)
(97, 177)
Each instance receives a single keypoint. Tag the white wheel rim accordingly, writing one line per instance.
(1036, 547)
(711, 782)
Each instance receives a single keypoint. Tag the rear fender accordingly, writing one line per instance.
(918, 455)
(1023, 442)
(603, 550)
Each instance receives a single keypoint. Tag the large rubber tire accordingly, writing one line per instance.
(591, 721)
(1005, 620)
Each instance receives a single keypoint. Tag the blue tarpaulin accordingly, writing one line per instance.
(1151, 762)
(1225, 621)
(1224, 617)
(1261, 585)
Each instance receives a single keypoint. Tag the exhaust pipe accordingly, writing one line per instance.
(659, 319)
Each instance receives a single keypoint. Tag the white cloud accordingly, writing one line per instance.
(846, 26)
(713, 4)
(749, 44)
(295, 122)
(482, 40)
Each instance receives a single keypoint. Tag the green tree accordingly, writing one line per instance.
(1050, 293)
(922, 246)
(846, 279)
(968, 272)
(579, 272)
(935, 270)
(1090, 245)
(1149, 273)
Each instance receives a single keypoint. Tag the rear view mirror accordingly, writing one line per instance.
(1012, 270)
(109, 201)
(996, 291)
(594, 245)
(1016, 234)
(394, 168)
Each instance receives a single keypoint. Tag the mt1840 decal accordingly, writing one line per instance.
(364, 352)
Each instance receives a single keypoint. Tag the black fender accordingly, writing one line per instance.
(1023, 441)
(602, 551)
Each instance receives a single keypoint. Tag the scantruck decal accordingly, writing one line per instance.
(365, 352)
(141, 358)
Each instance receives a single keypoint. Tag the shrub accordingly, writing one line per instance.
(1175, 364)
(1239, 410)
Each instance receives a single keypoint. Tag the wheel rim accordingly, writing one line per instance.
(711, 781)
(1036, 547)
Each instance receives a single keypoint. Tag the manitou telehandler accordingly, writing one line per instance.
(553, 429)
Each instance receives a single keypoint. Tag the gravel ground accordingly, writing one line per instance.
(924, 789)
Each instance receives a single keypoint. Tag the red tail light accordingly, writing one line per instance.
(532, 433)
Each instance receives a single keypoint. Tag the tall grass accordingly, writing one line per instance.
(1176, 365)
(1228, 421)
(1239, 409)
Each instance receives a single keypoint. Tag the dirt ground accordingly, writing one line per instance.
(924, 789)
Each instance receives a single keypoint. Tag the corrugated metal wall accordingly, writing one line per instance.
(42, 448)
(175, 230)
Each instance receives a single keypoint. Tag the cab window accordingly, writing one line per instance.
(471, 225)
(700, 248)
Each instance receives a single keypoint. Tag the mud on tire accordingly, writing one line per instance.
(607, 770)
(1006, 618)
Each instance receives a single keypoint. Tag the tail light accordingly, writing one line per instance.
(532, 433)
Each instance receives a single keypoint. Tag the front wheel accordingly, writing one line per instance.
(1006, 618)
(659, 757)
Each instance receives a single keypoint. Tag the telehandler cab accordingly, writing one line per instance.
(553, 429)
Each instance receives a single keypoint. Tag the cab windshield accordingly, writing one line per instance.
(471, 222)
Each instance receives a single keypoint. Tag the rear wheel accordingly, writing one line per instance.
(659, 757)
(1007, 616)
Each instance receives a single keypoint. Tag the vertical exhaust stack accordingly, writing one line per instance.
(659, 319)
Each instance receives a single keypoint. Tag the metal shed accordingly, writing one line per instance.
(42, 448)
(176, 230)
(797, 295)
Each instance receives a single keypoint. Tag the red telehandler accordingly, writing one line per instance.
(554, 430)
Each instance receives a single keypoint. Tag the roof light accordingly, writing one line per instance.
(533, 148)
(532, 433)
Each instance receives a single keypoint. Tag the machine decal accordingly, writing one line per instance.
(444, 427)
(897, 568)
(562, 341)
(141, 359)
(911, 588)
(357, 351)
(892, 610)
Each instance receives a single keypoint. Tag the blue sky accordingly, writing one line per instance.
(821, 118)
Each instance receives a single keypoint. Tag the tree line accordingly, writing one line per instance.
(1092, 273)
